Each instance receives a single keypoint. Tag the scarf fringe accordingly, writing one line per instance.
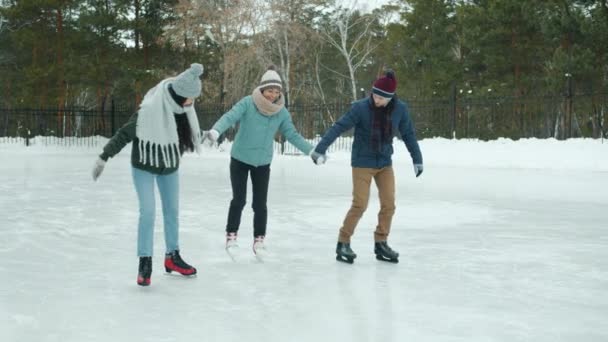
(157, 130)
(152, 154)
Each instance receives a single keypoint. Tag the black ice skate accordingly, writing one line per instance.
(145, 271)
(174, 262)
(385, 253)
(344, 253)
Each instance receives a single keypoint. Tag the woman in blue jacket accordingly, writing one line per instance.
(260, 115)
(375, 119)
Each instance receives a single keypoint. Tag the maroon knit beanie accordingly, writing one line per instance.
(386, 85)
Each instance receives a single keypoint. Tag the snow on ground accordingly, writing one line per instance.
(499, 241)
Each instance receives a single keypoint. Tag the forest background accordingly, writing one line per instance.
(484, 68)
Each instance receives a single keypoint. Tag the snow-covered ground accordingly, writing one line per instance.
(499, 241)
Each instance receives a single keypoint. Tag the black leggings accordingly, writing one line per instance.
(260, 176)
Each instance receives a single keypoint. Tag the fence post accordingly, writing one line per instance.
(568, 99)
(112, 118)
(281, 137)
(453, 109)
(601, 120)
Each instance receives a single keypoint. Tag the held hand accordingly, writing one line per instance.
(211, 136)
(418, 168)
(98, 168)
(318, 158)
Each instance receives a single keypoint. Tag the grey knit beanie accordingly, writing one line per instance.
(188, 83)
(271, 78)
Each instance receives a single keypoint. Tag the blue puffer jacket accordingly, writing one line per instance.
(363, 154)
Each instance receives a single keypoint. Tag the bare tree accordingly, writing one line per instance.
(3, 26)
(229, 24)
(289, 40)
(355, 49)
(2, 21)
(282, 40)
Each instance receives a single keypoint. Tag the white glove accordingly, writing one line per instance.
(211, 135)
(418, 168)
(98, 168)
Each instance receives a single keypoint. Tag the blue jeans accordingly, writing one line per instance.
(168, 187)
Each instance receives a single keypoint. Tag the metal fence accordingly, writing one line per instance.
(458, 117)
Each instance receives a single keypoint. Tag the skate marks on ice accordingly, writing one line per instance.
(261, 255)
(515, 266)
(236, 253)
(247, 255)
(180, 277)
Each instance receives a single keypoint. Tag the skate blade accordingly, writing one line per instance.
(392, 261)
(260, 255)
(345, 259)
(179, 275)
(233, 253)
(143, 282)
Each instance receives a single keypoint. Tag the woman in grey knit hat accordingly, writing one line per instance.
(164, 127)
(260, 116)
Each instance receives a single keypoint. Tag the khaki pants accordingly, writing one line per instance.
(362, 179)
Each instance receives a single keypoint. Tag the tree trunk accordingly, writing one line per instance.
(146, 55)
(136, 48)
(60, 71)
(138, 96)
(353, 83)
(287, 69)
(517, 115)
(283, 46)
(136, 32)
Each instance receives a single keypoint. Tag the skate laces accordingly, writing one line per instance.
(388, 248)
(145, 266)
(177, 260)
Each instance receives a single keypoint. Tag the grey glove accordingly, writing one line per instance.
(98, 168)
(318, 158)
(418, 168)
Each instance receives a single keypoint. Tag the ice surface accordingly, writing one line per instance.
(499, 241)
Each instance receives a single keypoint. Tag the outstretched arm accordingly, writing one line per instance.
(122, 137)
(231, 117)
(346, 122)
(291, 134)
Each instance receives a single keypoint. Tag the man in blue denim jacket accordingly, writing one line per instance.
(375, 119)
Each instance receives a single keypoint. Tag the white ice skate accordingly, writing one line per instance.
(259, 250)
(232, 247)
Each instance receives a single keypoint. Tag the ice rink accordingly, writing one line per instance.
(499, 241)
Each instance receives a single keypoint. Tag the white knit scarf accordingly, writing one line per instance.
(264, 106)
(156, 127)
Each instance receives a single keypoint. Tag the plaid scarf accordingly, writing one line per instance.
(382, 125)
